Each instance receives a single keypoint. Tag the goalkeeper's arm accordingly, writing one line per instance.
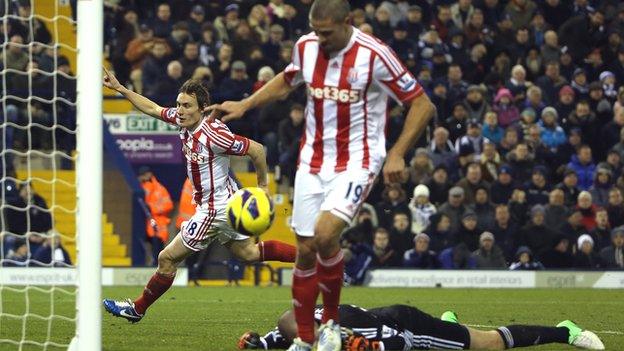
(139, 101)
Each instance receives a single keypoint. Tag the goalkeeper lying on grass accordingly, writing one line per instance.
(401, 327)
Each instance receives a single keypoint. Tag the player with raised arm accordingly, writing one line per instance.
(349, 76)
(401, 327)
(206, 144)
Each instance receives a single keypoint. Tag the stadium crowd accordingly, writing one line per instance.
(521, 167)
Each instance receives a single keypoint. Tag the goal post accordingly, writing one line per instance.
(89, 174)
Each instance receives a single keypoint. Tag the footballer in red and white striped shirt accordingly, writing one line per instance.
(349, 77)
(206, 144)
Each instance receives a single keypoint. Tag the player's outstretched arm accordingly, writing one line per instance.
(142, 103)
(274, 89)
(258, 157)
(420, 112)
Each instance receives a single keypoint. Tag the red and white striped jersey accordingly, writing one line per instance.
(207, 163)
(347, 101)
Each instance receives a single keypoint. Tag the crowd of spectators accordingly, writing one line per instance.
(522, 166)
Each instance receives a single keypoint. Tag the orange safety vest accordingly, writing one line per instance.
(186, 209)
(159, 202)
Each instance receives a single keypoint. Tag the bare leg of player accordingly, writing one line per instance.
(168, 261)
(270, 250)
(159, 283)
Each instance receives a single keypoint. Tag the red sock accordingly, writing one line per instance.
(273, 250)
(158, 284)
(330, 277)
(305, 291)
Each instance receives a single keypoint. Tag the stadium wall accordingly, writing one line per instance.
(398, 278)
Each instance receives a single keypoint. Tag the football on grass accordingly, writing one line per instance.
(250, 211)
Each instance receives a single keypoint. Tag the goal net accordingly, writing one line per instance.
(47, 270)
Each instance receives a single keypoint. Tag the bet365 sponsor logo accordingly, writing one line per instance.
(335, 94)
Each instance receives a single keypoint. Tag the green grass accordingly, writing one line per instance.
(213, 318)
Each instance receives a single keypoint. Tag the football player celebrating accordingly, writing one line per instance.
(206, 144)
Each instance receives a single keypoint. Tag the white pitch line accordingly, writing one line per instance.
(614, 332)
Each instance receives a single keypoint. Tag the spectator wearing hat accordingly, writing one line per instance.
(569, 186)
(559, 255)
(472, 180)
(226, 25)
(588, 210)
(535, 234)
(583, 166)
(607, 81)
(439, 232)
(441, 149)
(552, 134)
(615, 208)
(197, 19)
(525, 261)
(420, 256)
(503, 186)
(454, 208)
(468, 233)
(439, 185)
(538, 189)
(505, 109)
(599, 104)
(566, 102)
(521, 162)
(491, 130)
(405, 48)
(457, 123)
(421, 208)
(602, 231)
(475, 103)
(393, 201)
(556, 213)
(420, 169)
(470, 146)
(613, 256)
(580, 84)
(586, 257)
(489, 255)
(603, 181)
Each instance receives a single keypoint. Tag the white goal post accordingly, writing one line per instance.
(89, 174)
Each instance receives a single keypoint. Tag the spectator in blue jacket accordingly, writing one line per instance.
(552, 134)
(583, 166)
(525, 261)
(457, 257)
(420, 256)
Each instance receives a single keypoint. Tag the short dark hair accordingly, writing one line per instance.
(195, 87)
(336, 10)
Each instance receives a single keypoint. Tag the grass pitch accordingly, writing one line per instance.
(214, 318)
